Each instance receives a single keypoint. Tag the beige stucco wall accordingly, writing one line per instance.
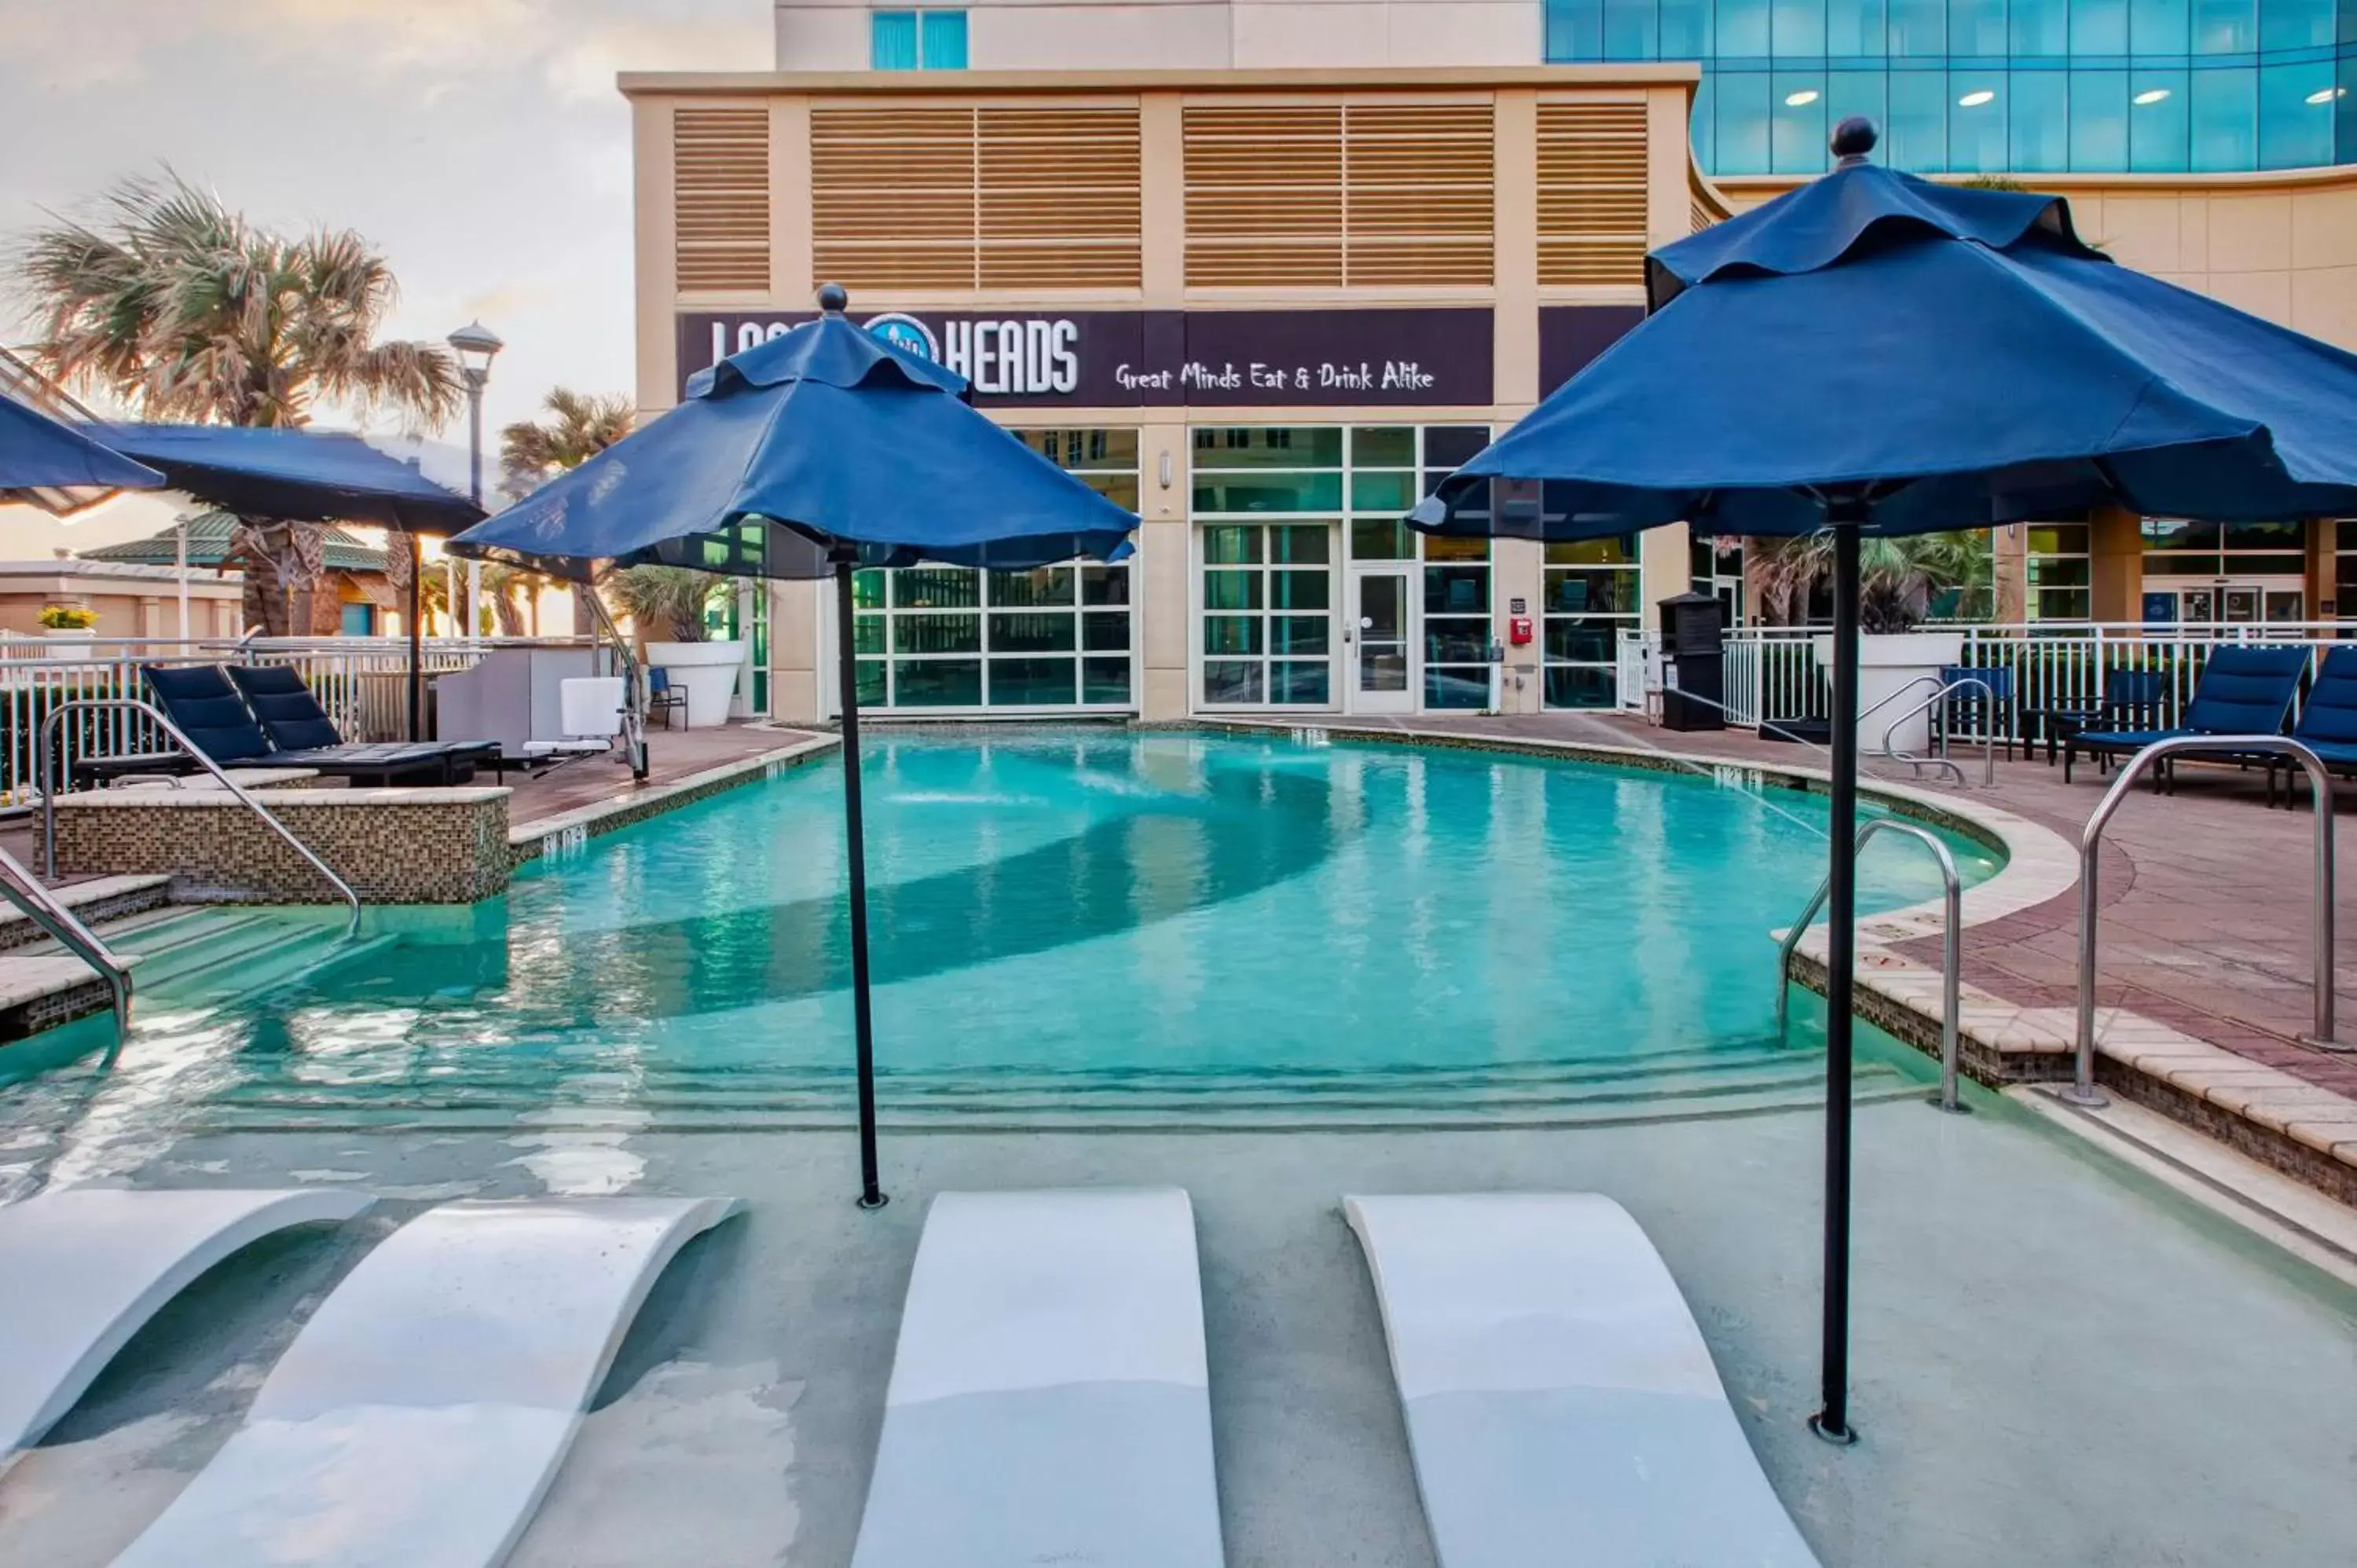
(1188, 35)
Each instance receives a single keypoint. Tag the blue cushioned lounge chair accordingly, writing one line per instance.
(2242, 690)
(200, 700)
(290, 715)
(2327, 721)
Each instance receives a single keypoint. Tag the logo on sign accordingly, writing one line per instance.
(907, 334)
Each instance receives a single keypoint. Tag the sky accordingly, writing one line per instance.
(480, 144)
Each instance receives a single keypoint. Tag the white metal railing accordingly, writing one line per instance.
(361, 682)
(1772, 671)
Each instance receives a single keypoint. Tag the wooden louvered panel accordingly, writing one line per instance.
(1325, 195)
(1265, 264)
(1592, 193)
(988, 198)
(720, 197)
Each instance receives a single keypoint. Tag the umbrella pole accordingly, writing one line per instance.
(415, 616)
(871, 1196)
(1832, 1420)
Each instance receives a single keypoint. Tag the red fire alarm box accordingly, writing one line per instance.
(1518, 630)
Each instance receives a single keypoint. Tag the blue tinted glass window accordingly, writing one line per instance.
(1705, 120)
(1854, 29)
(2041, 27)
(1976, 27)
(1976, 121)
(2099, 120)
(1798, 27)
(2158, 102)
(1918, 29)
(1797, 140)
(2294, 25)
(2225, 119)
(1742, 27)
(1631, 30)
(2345, 110)
(2038, 121)
(2295, 105)
(892, 40)
(1574, 29)
(1685, 29)
(941, 45)
(1919, 120)
(1743, 121)
(2159, 27)
(2224, 27)
(2099, 27)
(1849, 93)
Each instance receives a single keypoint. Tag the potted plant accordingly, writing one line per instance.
(667, 606)
(72, 627)
(1898, 581)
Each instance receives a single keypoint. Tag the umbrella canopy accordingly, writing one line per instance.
(1937, 357)
(1874, 353)
(317, 476)
(823, 445)
(39, 452)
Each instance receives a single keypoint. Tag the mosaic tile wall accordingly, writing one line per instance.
(404, 846)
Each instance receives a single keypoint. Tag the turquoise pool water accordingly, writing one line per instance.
(1061, 912)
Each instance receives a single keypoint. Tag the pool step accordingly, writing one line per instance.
(1585, 1092)
(188, 955)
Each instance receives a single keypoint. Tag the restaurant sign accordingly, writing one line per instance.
(1202, 359)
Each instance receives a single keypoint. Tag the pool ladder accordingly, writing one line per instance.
(1890, 753)
(60, 925)
(1951, 948)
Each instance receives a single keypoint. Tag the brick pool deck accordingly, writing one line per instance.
(2205, 892)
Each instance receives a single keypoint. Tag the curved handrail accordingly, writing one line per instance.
(1951, 948)
(1988, 741)
(242, 796)
(63, 927)
(2083, 1090)
(634, 719)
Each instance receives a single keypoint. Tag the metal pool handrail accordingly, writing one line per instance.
(1989, 739)
(63, 927)
(2083, 1090)
(242, 797)
(1951, 948)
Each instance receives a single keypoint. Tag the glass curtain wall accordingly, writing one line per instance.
(1592, 598)
(1997, 86)
(1280, 511)
(2061, 578)
(949, 638)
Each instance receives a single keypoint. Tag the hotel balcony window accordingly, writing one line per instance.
(916, 40)
(2059, 575)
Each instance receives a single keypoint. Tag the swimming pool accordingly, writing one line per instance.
(1082, 925)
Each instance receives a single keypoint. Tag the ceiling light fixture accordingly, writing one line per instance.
(2152, 96)
(1974, 100)
(1795, 99)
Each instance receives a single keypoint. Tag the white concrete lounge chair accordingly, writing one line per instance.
(423, 1410)
(86, 1267)
(1049, 1400)
(1562, 1408)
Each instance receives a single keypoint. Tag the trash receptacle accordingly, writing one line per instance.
(1694, 662)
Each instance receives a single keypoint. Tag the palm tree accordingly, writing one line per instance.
(187, 309)
(1898, 578)
(579, 426)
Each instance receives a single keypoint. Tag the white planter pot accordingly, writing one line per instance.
(707, 672)
(69, 643)
(1887, 661)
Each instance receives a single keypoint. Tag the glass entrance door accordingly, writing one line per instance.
(1380, 644)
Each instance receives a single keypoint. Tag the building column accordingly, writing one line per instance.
(1666, 568)
(1517, 587)
(1160, 574)
(2115, 564)
(794, 651)
(2010, 550)
(2323, 569)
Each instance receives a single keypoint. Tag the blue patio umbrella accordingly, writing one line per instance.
(1874, 353)
(822, 451)
(40, 453)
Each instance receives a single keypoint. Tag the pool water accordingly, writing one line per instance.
(1150, 920)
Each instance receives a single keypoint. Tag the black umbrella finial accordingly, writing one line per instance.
(1853, 139)
(833, 298)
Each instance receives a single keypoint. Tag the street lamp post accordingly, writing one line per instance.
(474, 344)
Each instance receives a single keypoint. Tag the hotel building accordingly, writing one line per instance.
(1263, 271)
